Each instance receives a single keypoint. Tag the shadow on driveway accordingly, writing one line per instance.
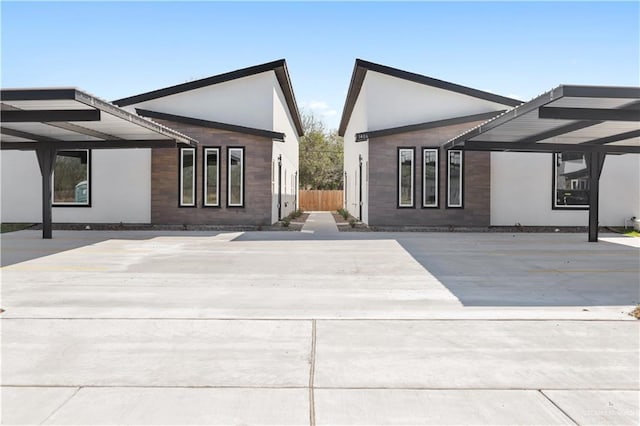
(506, 269)
(480, 269)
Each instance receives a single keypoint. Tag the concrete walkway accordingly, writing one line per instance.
(319, 328)
(320, 224)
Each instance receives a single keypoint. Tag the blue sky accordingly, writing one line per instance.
(519, 49)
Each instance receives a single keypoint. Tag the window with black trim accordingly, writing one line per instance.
(405, 177)
(71, 178)
(235, 177)
(454, 178)
(211, 177)
(188, 177)
(570, 181)
(429, 177)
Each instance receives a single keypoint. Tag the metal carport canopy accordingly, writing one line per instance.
(594, 120)
(53, 119)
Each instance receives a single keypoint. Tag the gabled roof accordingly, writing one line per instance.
(360, 70)
(279, 67)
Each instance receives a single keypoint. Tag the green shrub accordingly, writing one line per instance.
(11, 227)
(296, 214)
(285, 221)
(344, 213)
(353, 222)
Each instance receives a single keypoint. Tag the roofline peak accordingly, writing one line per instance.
(362, 66)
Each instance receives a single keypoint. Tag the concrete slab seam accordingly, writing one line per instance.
(558, 407)
(61, 405)
(408, 388)
(312, 368)
(442, 319)
(10, 385)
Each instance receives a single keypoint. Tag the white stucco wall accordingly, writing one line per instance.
(21, 187)
(352, 150)
(282, 122)
(120, 188)
(521, 191)
(394, 102)
(245, 101)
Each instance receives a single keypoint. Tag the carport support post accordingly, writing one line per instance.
(46, 158)
(595, 161)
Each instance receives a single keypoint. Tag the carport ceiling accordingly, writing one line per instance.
(567, 118)
(69, 118)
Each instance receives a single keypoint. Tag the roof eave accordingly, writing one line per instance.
(279, 136)
(427, 125)
(196, 84)
(282, 75)
(357, 79)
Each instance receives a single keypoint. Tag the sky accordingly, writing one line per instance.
(517, 49)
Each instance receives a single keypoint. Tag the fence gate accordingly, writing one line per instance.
(320, 200)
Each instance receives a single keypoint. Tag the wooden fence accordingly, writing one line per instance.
(320, 200)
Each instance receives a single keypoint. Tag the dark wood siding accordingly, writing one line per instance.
(383, 182)
(257, 180)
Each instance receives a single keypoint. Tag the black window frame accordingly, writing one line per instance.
(181, 178)
(426, 149)
(205, 174)
(462, 166)
(242, 177)
(89, 180)
(399, 179)
(554, 186)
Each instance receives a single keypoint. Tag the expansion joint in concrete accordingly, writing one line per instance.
(558, 407)
(61, 405)
(312, 369)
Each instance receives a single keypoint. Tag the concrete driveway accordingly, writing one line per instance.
(318, 327)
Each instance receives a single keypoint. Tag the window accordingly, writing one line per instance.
(454, 179)
(570, 181)
(71, 178)
(235, 177)
(429, 177)
(212, 177)
(188, 177)
(405, 177)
